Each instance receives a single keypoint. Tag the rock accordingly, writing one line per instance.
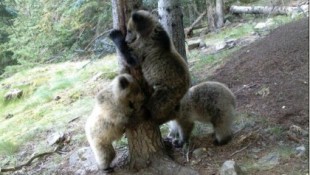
(83, 161)
(262, 25)
(202, 44)
(97, 76)
(268, 161)
(55, 138)
(197, 153)
(230, 43)
(57, 98)
(220, 46)
(227, 23)
(13, 94)
(229, 167)
(300, 150)
(193, 46)
(8, 116)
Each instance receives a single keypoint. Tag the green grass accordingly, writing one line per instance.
(37, 112)
(204, 60)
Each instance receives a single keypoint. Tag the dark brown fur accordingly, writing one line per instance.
(162, 66)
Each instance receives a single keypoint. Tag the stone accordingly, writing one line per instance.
(197, 153)
(55, 138)
(8, 116)
(268, 161)
(220, 46)
(300, 151)
(97, 77)
(82, 160)
(230, 167)
(13, 94)
(262, 25)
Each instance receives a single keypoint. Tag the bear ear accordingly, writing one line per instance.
(136, 17)
(123, 82)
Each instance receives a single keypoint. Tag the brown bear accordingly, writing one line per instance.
(114, 106)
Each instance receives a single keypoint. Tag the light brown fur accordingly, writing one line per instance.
(114, 105)
(208, 102)
(163, 67)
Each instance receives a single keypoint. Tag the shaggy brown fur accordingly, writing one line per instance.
(114, 105)
(206, 102)
(162, 66)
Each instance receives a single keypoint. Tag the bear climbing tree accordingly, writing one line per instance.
(147, 152)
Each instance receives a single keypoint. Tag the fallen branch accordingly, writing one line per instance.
(276, 10)
(190, 28)
(28, 163)
(103, 33)
(238, 151)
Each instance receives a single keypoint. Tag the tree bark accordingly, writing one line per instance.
(210, 14)
(219, 12)
(277, 10)
(171, 17)
(145, 144)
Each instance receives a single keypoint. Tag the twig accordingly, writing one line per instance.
(56, 150)
(293, 138)
(72, 120)
(103, 33)
(245, 86)
(240, 150)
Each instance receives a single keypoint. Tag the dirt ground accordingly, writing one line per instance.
(270, 79)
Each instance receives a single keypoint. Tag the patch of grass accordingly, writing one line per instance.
(230, 33)
(204, 61)
(123, 142)
(276, 130)
(8, 148)
(37, 112)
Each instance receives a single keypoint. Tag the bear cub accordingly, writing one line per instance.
(207, 102)
(113, 108)
(148, 44)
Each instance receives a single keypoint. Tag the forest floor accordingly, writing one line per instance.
(270, 78)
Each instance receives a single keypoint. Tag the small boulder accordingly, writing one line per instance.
(268, 161)
(197, 153)
(300, 151)
(55, 138)
(13, 94)
(230, 168)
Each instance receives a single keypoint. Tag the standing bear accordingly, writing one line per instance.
(148, 44)
(208, 102)
(114, 106)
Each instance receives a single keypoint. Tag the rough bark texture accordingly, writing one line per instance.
(145, 144)
(210, 14)
(219, 12)
(171, 17)
(277, 10)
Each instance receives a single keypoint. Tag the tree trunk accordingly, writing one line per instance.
(145, 144)
(210, 14)
(171, 17)
(277, 10)
(219, 13)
